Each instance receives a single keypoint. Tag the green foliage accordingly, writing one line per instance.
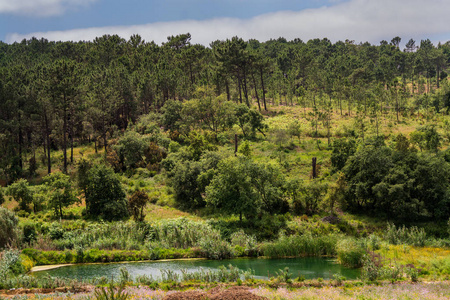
(245, 242)
(244, 187)
(342, 150)
(410, 236)
(21, 192)
(60, 192)
(413, 273)
(130, 148)
(284, 275)
(189, 177)
(8, 228)
(224, 274)
(198, 144)
(171, 114)
(214, 247)
(301, 245)
(245, 149)
(2, 196)
(83, 167)
(372, 267)
(111, 293)
(335, 193)
(208, 113)
(351, 252)
(398, 184)
(29, 232)
(426, 138)
(137, 203)
(312, 196)
(55, 231)
(180, 233)
(295, 129)
(105, 196)
(250, 121)
(10, 264)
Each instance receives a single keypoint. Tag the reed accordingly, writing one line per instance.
(301, 245)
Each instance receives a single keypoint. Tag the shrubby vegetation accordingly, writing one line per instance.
(8, 228)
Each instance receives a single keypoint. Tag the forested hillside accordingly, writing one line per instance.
(55, 95)
(376, 115)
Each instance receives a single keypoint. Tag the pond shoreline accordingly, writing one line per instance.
(51, 267)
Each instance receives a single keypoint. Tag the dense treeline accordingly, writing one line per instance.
(56, 95)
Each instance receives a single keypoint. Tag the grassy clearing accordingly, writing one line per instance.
(430, 260)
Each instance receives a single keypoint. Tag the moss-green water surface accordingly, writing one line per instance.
(308, 267)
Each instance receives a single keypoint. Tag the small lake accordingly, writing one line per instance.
(308, 267)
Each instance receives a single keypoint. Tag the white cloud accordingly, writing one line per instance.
(359, 20)
(41, 8)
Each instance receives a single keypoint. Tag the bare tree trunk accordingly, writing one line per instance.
(263, 90)
(256, 91)
(227, 88)
(314, 169)
(64, 135)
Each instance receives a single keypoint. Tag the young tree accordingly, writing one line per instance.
(245, 188)
(105, 196)
(21, 192)
(60, 191)
(137, 203)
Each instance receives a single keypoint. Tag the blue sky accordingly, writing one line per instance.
(208, 20)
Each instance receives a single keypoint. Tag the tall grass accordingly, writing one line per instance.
(301, 245)
(351, 252)
(402, 235)
(177, 233)
(180, 233)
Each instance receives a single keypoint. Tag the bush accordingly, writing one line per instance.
(29, 232)
(350, 253)
(372, 267)
(247, 242)
(21, 192)
(8, 228)
(11, 264)
(214, 247)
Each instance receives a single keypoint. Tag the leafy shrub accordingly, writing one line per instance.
(350, 253)
(247, 242)
(55, 231)
(413, 273)
(8, 228)
(284, 275)
(22, 193)
(372, 267)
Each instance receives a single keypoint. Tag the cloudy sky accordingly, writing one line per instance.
(209, 20)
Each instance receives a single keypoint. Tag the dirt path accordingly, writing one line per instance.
(232, 293)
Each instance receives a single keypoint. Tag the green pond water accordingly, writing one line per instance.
(307, 267)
